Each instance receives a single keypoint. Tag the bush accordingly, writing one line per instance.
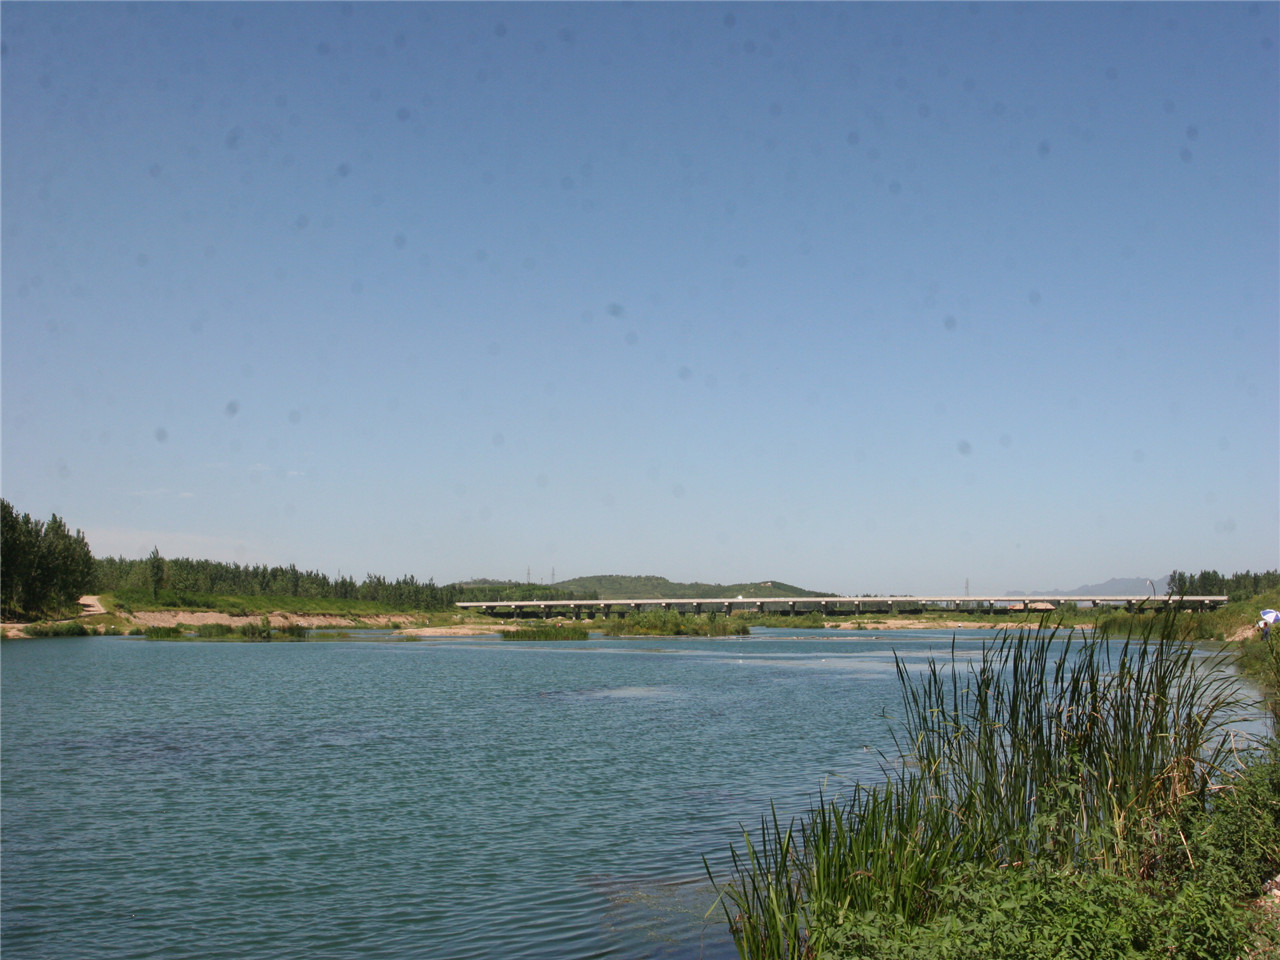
(163, 633)
(1036, 913)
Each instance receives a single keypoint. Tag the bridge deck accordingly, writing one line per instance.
(831, 605)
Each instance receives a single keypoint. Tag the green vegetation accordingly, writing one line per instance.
(1057, 797)
(214, 631)
(262, 631)
(510, 591)
(64, 628)
(46, 567)
(546, 632)
(155, 578)
(670, 623)
(1238, 586)
(133, 599)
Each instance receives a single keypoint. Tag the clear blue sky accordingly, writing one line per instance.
(867, 298)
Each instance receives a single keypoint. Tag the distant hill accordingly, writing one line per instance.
(1115, 587)
(617, 587)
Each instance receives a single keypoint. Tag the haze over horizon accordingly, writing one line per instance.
(876, 298)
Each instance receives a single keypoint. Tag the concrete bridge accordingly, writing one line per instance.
(827, 606)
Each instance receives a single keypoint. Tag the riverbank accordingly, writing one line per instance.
(442, 624)
(417, 625)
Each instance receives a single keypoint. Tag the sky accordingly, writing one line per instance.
(865, 298)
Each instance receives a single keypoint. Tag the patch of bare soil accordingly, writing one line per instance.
(277, 618)
(91, 606)
(461, 630)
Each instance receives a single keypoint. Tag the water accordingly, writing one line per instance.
(413, 800)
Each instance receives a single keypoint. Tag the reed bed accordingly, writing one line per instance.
(546, 632)
(1065, 753)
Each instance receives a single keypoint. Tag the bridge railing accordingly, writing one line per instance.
(522, 609)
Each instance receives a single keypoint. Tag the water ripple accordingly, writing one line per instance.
(368, 801)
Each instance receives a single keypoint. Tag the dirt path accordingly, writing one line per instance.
(91, 606)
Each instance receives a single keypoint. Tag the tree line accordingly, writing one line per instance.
(45, 566)
(1238, 586)
(183, 576)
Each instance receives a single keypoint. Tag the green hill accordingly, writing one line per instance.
(618, 587)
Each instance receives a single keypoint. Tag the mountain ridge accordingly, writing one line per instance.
(1115, 587)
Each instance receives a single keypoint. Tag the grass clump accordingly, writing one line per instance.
(1084, 790)
(163, 633)
(59, 628)
(546, 632)
(263, 631)
(214, 631)
(672, 623)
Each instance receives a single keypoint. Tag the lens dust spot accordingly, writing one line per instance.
(162, 434)
(232, 408)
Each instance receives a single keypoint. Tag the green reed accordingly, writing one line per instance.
(55, 628)
(1067, 752)
(546, 632)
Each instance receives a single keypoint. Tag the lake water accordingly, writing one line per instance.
(414, 800)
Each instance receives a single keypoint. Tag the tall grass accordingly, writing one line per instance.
(672, 623)
(1060, 751)
(56, 628)
(547, 632)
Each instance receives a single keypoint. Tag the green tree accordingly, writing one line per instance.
(66, 562)
(45, 567)
(155, 569)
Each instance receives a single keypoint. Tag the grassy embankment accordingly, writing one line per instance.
(1053, 799)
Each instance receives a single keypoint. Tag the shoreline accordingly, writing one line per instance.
(91, 607)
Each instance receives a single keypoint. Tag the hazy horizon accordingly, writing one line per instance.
(882, 298)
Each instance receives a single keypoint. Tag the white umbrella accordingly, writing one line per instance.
(1270, 616)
